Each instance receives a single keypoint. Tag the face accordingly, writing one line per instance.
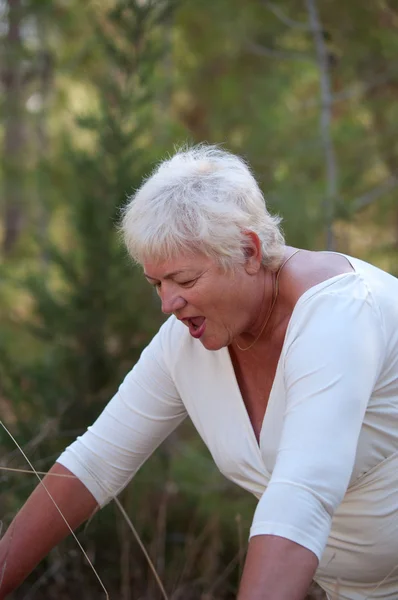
(214, 305)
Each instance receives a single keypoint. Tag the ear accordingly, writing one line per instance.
(253, 254)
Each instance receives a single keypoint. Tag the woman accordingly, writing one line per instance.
(287, 363)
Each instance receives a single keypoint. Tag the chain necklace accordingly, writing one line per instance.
(275, 292)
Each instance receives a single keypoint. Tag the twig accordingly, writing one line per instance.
(325, 121)
(58, 509)
(272, 53)
(228, 569)
(238, 520)
(276, 10)
(42, 579)
(49, 427)
(352, 91)
(374, 194)
(13, 470)
(137, 537)
(117, 502)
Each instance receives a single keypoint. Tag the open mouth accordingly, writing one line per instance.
(197, 326)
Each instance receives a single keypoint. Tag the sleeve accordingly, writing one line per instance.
(331, 365)
(144, 411)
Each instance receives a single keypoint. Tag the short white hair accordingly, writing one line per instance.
(202, 199)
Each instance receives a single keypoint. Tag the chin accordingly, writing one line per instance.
(212, 344)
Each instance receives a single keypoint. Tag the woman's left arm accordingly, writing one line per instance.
(331, 365)
(277, 569)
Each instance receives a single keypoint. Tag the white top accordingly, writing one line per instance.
(331, 423)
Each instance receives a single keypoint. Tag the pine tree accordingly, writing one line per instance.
(92, 312)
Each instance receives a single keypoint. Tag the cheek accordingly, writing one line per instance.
(217, 300)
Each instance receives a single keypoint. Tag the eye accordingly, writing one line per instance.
(156, 286)
(189, 283)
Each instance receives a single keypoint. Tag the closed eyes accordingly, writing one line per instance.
(189, 283)
(186, 284)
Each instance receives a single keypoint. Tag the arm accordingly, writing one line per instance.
(38, 526)
(142, 413)
(332, 359)
(269, 560)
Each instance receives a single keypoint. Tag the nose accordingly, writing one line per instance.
(171, 300)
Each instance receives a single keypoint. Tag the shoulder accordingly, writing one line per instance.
(308, 269)
(327, 294)
(335, 310)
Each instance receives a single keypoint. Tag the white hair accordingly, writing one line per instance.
(202, 199)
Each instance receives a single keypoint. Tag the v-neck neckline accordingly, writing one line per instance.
(305, 296)
(241, 401)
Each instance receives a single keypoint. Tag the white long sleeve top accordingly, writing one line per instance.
(329, 435)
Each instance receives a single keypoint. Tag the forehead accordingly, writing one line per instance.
(162, 269)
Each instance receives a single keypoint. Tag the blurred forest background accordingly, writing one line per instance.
(92, 95)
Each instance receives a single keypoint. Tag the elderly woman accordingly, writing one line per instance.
(287, 363)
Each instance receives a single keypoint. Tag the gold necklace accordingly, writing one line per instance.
(275, 292)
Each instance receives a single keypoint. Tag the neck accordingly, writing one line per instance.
(261, 308)
(267, 309)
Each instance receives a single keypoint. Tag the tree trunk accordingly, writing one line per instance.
(45, 74)
(14, 130)
(325, 122)
(388, 153)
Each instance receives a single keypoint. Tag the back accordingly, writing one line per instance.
(379, 433)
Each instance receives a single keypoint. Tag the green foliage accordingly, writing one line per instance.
(106, 89)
